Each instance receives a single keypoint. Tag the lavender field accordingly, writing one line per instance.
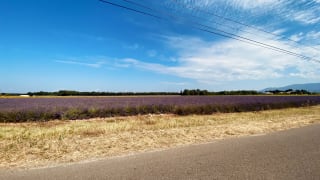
(43, 109)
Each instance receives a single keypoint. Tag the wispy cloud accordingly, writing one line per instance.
(310, 38)
(93, 65)
(214, 61)
(306, 12)
(231, 60)
(174, 83)
(314, 35)
(249, 4)
(134, 46)
(152, 53)
(310, 16)
(297, 37)
(78, 35)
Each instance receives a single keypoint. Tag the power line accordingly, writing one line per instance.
(212, 30)
(241, 23)
(138, 4)
(261, 45)
(231, 35)
(234, 36)
(227, 19)
(131, 9)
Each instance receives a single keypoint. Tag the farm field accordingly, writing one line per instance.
(50, 143)
(68, 108)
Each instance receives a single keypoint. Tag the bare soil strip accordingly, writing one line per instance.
(36, 144)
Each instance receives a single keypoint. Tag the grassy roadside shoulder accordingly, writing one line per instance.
(27, 145)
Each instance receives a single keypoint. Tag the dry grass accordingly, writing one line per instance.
(46, 143)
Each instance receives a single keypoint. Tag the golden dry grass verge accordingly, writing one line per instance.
(35, 144)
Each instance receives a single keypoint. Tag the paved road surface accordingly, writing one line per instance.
(292, 154)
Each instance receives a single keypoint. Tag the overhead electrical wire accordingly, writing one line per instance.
(231, 35)
(211, 30)
(240, 23)
(253, 42)
(227, 19)
(131, 9)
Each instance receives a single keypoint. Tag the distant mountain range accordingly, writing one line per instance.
(311, 87)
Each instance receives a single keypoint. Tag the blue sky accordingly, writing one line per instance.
(88, 45)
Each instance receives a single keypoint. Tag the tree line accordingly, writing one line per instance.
(185, 92)
(289, 91)
(94, 93)
(192, 92)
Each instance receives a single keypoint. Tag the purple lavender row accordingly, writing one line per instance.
(102, 102)
(24, 109)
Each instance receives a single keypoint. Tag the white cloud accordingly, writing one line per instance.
(306, 12)
(174, 83)
(78, 35)
(93, 65)
(245, 4)
(279, 32)
(310, 38)
(152, 53)
(297, 37)
(249, 4)
(231, 60)
(301, 11)
(199, 3)
(134, 46)
(306, 17)
(313, 35)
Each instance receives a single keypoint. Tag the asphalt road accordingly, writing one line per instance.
(292, 154)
